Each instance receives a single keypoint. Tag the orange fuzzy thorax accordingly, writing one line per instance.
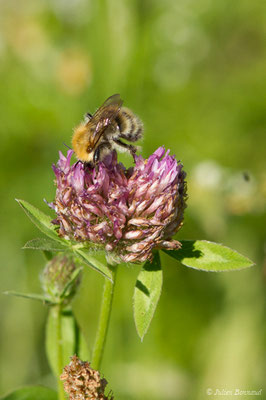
(81, 142)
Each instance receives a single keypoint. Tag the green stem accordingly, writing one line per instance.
(59, 350)
(77, 336)
(106, 307)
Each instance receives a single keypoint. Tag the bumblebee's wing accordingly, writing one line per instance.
(114, 100)
(106, 113)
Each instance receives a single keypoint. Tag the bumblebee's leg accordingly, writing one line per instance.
(77, 162)
(99, 150)
(132, 136)
(125, 146)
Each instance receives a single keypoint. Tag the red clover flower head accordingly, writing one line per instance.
(129, 212)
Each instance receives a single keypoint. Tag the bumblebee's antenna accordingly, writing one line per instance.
(67, 146)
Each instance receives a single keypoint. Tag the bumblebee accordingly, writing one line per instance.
(101, 133)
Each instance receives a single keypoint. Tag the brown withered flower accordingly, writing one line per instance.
(129, 212)
(82, 382)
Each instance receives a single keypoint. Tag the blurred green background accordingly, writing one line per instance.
(195, 73)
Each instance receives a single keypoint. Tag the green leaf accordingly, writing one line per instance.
(32, 393)
(45, 245)
(72, 338)
(147, 293)
(41, 220)
(48, 255)
(31, 296)
(209, 256)
(83, 350)
(88, 259)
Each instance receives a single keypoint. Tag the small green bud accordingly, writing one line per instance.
(60, 278)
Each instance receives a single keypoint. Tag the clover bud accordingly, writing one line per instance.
(60, 278)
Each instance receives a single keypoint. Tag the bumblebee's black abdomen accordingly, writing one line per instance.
(129, 125)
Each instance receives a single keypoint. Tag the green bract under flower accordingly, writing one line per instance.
(128, 212)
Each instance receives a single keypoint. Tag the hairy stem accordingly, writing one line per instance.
(106, 307)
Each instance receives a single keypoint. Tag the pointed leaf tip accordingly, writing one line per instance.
(31, 296)
(209, 256)
(40, 219)
(45, 244)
